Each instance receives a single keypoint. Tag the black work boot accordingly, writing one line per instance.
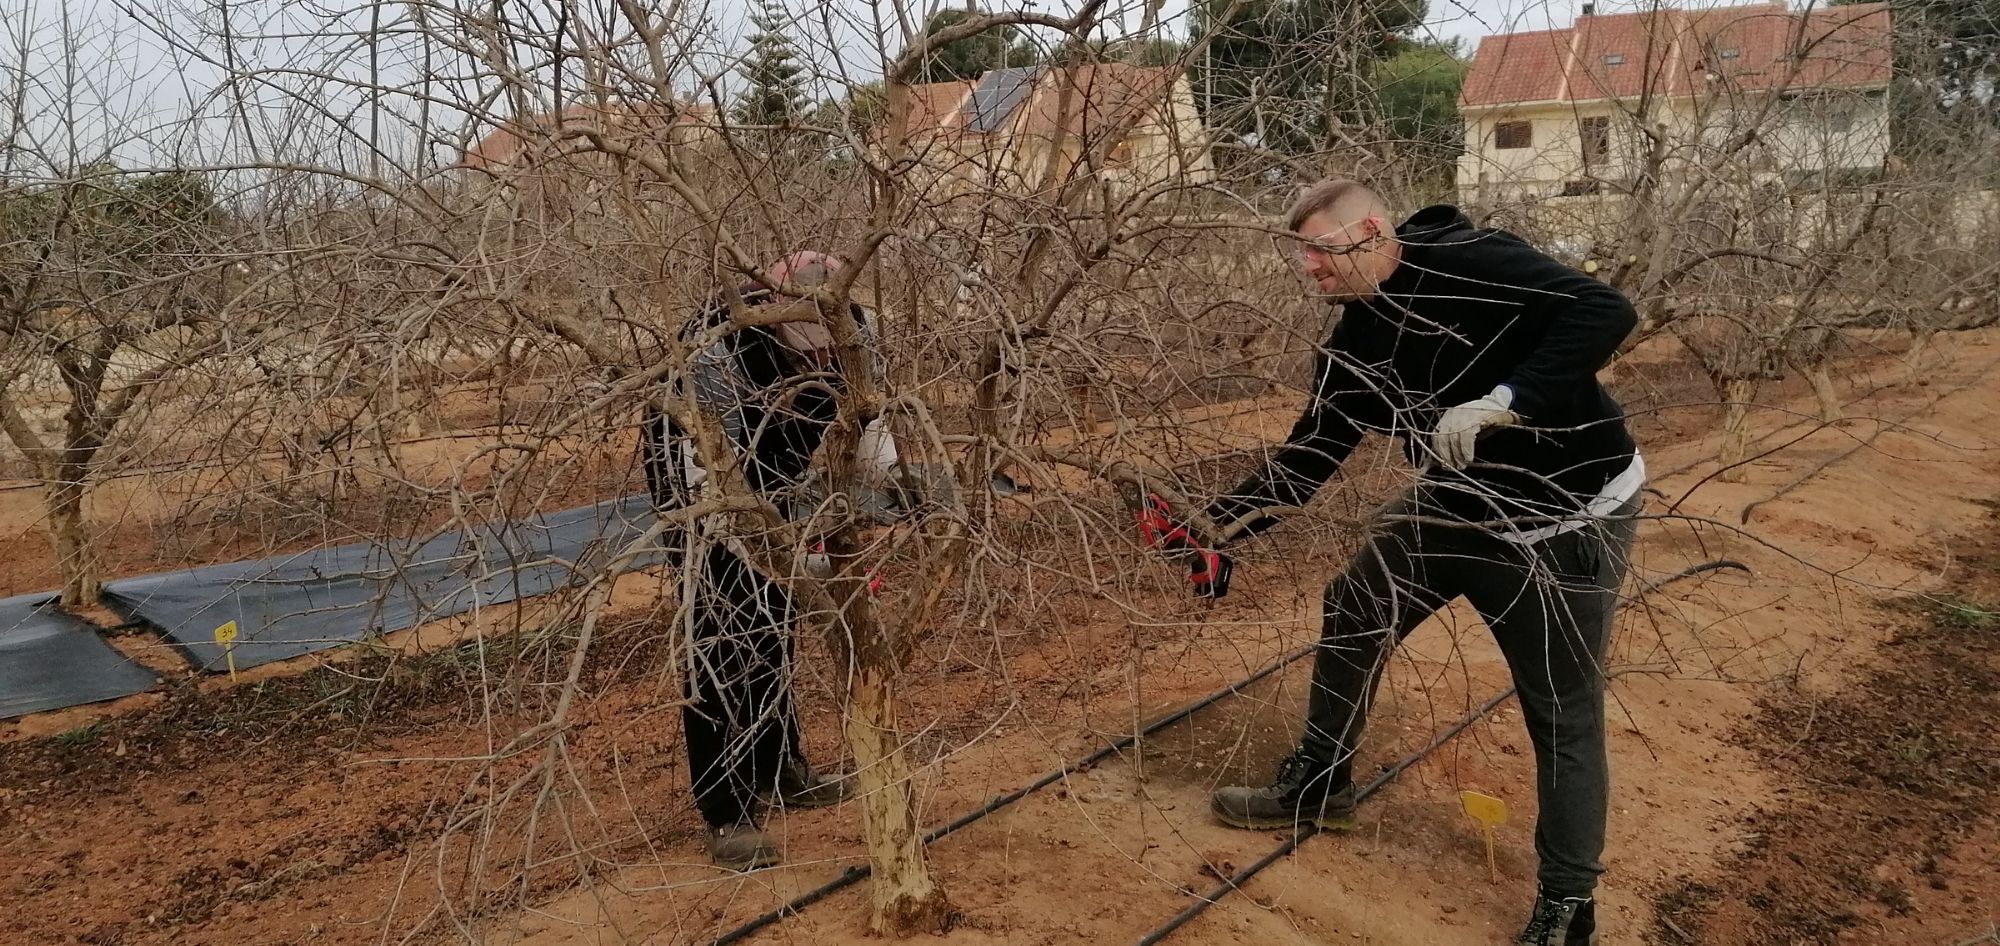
(799, 786)
(1561, 921)
(741, 846)
(1303, 791)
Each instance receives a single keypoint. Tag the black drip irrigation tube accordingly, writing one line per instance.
(1306, 831)
(851, 875)
(855, 874)
(1309, 829)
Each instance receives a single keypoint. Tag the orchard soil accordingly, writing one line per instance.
(1804, 754)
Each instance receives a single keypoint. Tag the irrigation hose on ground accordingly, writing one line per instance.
(855, 874)
(851, 875)
(1306, 831)
(1309, 829)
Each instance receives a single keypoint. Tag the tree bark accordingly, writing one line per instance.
(1735, 422)
(1824, 393)
(1913, 357)
(906, 899)
(76, 560)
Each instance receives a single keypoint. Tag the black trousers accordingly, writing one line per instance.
(739, 721)
(1550, 605)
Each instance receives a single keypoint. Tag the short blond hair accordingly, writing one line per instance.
(1336, 193)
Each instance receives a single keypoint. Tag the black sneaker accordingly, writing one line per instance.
(1570, 921)
(1303, 791)
(799, 786)
(741, 846)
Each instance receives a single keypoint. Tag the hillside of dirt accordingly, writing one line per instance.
(1842, 688)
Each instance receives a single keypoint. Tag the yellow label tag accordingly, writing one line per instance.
(1484, 809)
(226, 636)
(1489, 812)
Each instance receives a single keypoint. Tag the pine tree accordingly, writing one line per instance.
(777, 82)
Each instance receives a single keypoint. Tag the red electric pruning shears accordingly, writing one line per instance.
(818, 564)
(1208, 570)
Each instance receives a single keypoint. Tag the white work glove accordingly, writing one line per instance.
(1460, 427)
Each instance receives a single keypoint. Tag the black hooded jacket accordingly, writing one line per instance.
(773, 412)
(1469, 309)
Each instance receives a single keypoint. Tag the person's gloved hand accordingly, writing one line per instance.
(1208, 570)
(1459, 429)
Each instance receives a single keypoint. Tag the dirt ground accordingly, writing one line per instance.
(1884, 831)
(1804, 754)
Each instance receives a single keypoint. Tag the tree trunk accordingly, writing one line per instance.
(1735, 422)
(1824, 392)
(76, 560)
(1913, 358)
(906, 898)
(1084, 398)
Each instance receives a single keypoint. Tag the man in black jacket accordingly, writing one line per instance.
(774, 390)
(1481, 354)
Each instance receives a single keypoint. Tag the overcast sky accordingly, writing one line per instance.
(145, 66)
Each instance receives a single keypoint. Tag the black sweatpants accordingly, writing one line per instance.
(1550, 605)
(739, 720)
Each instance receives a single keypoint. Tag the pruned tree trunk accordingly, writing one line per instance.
(1824, 392)
(906, 899)
(1735, 427)
(1913, 358)
(76, 560)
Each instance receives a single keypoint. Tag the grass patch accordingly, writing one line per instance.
(82, 737)
(1966, 614)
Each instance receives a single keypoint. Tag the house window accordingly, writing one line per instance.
(1614, 59)
(1510, 135)
(1596, 134)
(1729, 52)
(1840, 119)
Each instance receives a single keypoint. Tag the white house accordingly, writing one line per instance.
(1563, 112)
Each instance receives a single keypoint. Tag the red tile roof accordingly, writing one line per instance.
(1518, 67)
(1628, 55)
(937, 105)
(1760, 46)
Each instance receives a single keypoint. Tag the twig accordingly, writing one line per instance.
(1881, 429)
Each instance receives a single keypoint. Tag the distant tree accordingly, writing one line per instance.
(97, 270)
(968, 58)
(1946, 91)
(1156, 51)
(851, 120)
(776, 93)
(1282, 73)
(1416, 94)
(1150, 52)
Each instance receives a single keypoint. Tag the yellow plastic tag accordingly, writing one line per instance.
(1484, 809)
(226, 636)
(1490, 812)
